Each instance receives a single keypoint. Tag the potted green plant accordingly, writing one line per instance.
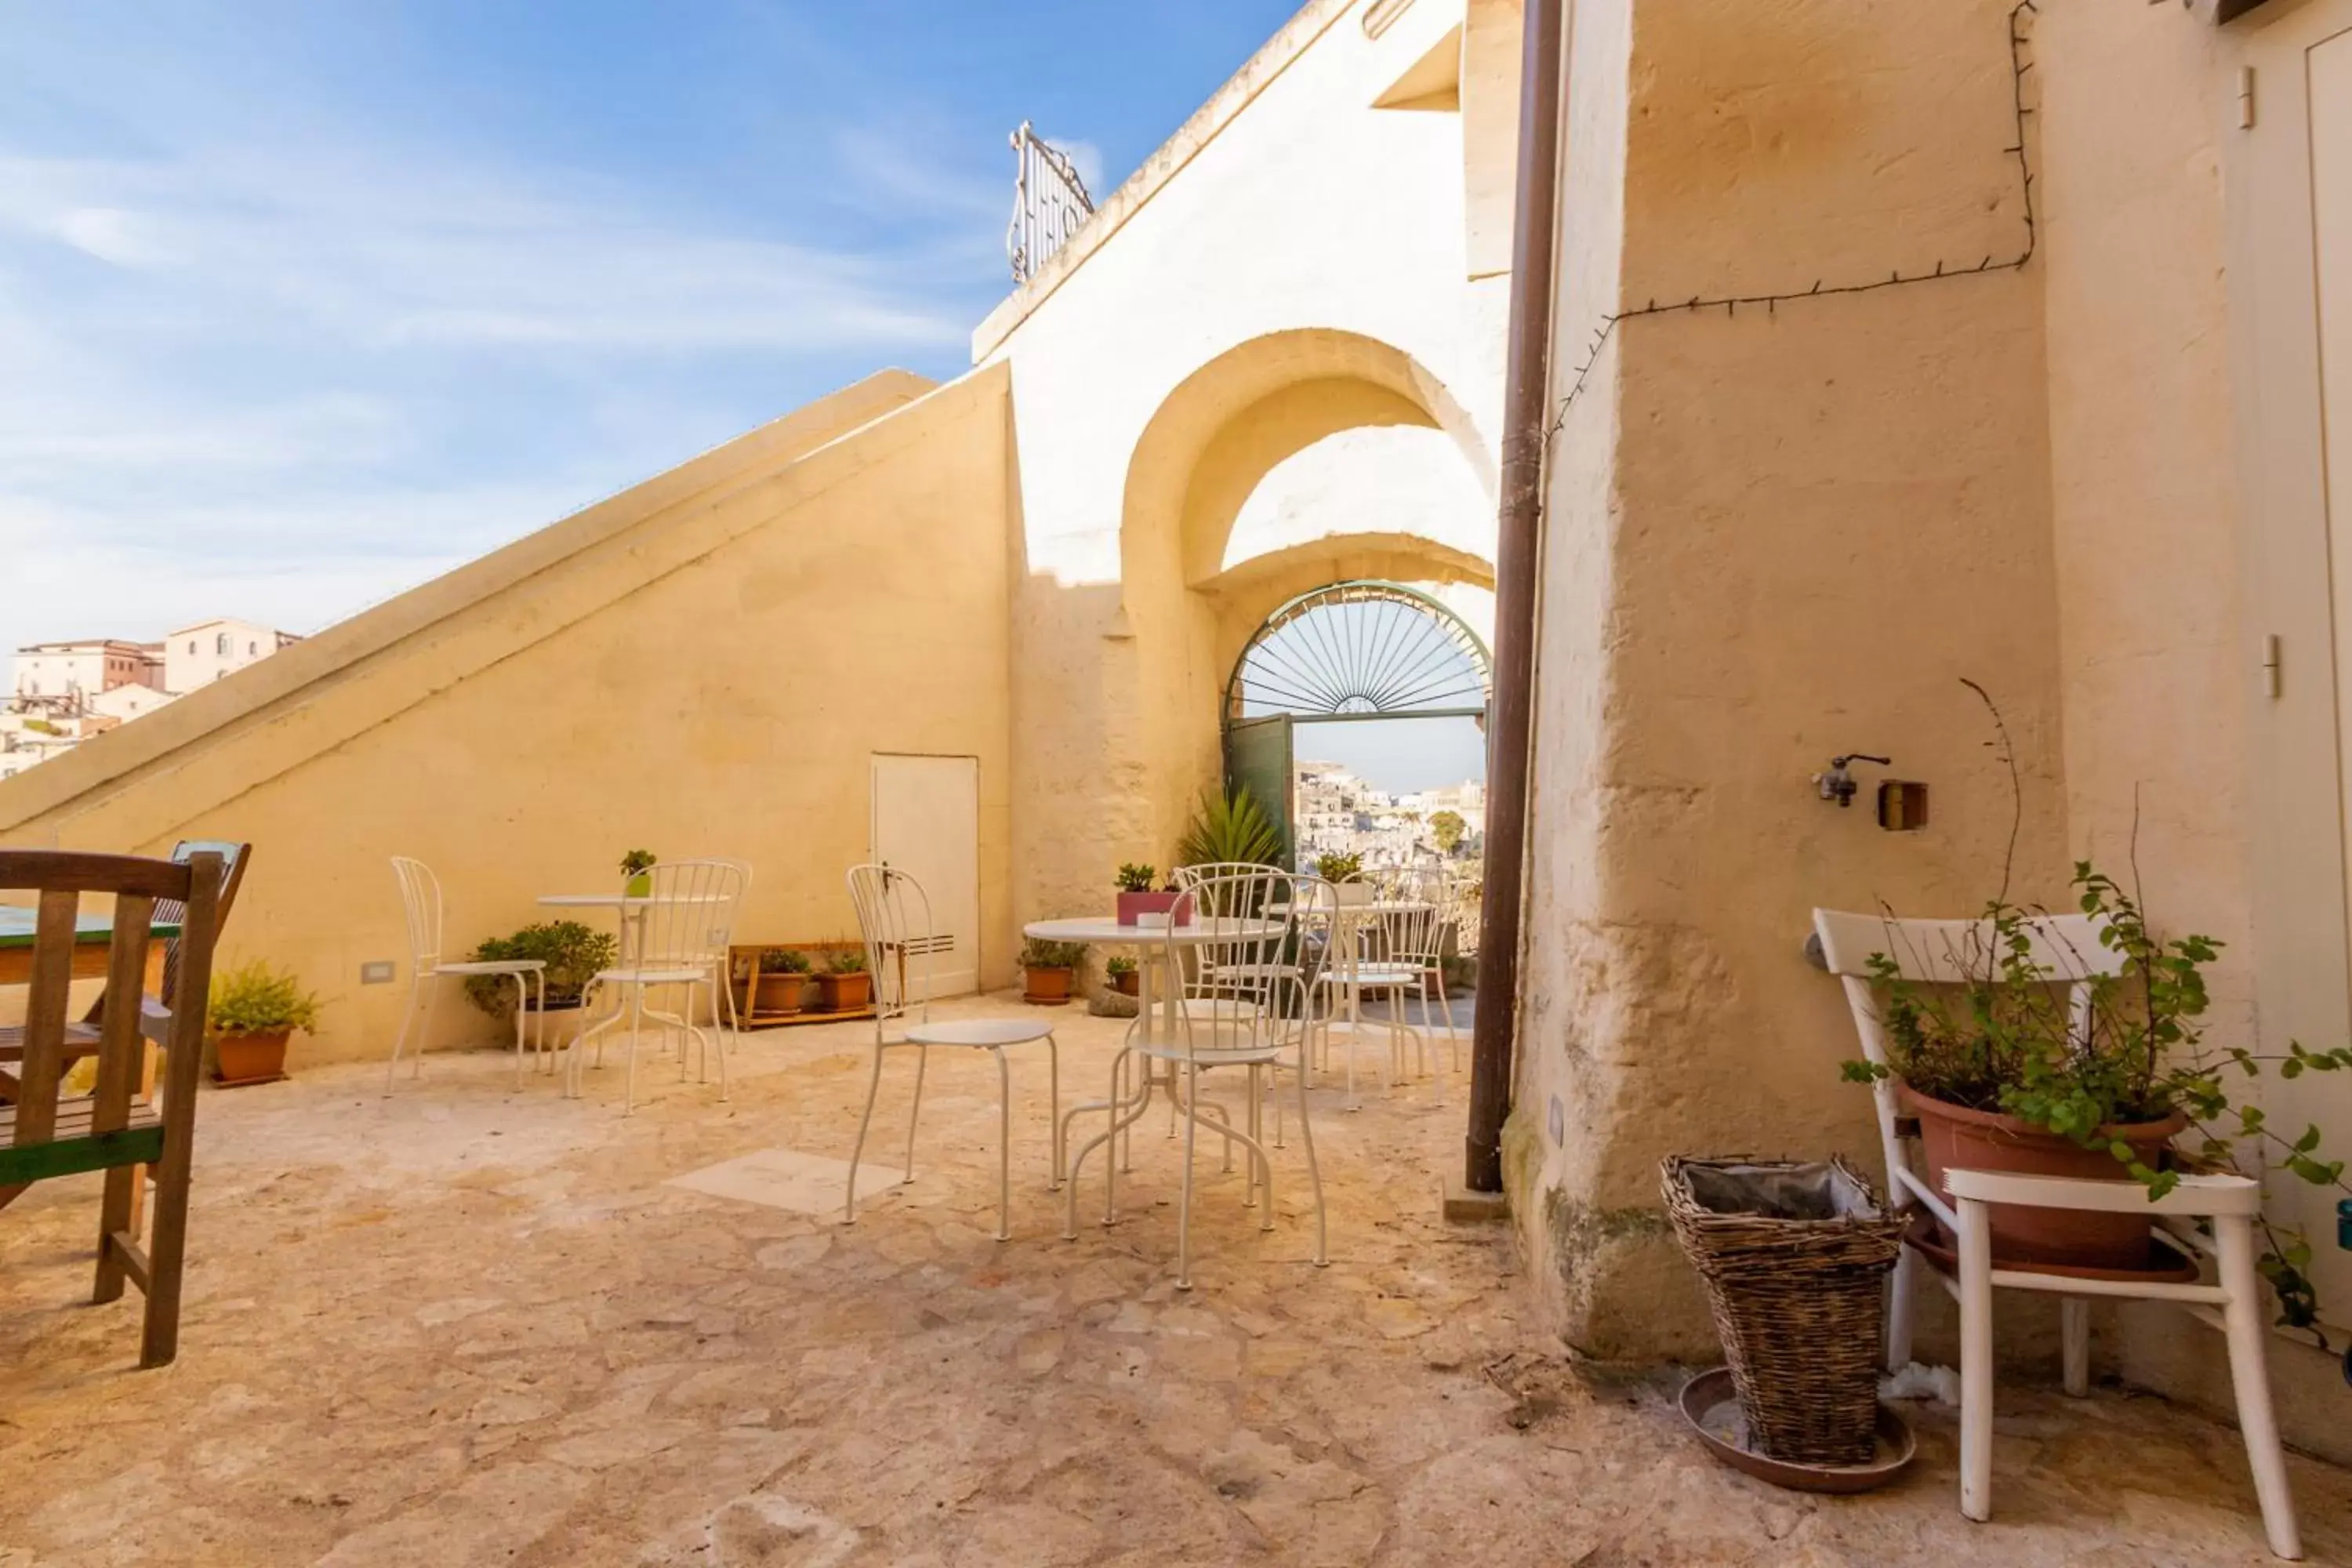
(1341, 870)
(1123, 976)
(845, 987)
(572, 952)
(783, 981)
(2004, 1074)
(1230, 828)
(637, 865)
(1047, 968)
(254, 1008)
(1140, 903)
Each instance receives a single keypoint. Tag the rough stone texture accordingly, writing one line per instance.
(468, 1326)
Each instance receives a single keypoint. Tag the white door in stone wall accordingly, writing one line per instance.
(926, 823)
(2290, 144)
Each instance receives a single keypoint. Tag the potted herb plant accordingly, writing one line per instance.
(254, 1008)
(1047, 968)
(1140, 903)
(845, 987)
(1339, 872)
(637, 865)
(2004, 1074)
(783, 989)
(1123, 976)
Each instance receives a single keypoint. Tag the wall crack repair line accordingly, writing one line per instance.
(1729, 304)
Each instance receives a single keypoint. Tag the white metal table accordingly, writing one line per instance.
(1148, 941)
(632, 909)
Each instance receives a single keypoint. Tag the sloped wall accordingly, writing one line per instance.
(703, 666)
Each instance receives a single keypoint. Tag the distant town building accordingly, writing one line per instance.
(84, 669)
(199, 655)
(62, 693)
(1333, 812)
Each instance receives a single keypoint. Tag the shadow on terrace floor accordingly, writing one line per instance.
(468, 1326)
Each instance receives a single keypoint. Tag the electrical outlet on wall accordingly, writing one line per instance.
(376, 974)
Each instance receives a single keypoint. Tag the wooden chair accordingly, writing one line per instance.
(155, 1017)
(42, 1136)
(2067, 948)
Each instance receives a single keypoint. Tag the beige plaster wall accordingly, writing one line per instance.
(1774, 536)
(704, 665)
(1292, 264)
(2149, 522)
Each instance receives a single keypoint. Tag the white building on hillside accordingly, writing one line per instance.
(201, 654)
(84, 669)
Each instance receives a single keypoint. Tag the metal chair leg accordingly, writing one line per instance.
(1003, 1146)
(857, 1149)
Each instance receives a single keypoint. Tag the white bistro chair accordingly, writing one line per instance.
(2068, 948)
(420, 899)
(1362, 963)
(1244, 982)
(673, 939)
(894, 914)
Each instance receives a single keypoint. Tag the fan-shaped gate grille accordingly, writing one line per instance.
(1360, 651)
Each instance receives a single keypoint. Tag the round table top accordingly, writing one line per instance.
(1107, 930)
(624, 900)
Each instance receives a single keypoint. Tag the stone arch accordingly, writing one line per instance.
(1222, 428)
(1213, 440)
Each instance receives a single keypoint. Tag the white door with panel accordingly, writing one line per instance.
(926, 824)
(2291, 190)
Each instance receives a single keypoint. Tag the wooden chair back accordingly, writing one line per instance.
(42, 1136)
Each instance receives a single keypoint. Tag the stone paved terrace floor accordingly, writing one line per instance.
(465, 1326)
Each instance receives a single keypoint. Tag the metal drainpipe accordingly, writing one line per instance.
(1527, 409)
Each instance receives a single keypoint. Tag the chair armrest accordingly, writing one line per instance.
(2219, 1196)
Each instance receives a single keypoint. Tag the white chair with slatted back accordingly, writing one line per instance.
(675, 938)
(894, 914)
(420, 901)
(43, 1136)
(2068, 949)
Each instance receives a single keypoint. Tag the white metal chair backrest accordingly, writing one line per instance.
(1187, 878)
(420, 903)
(1946, 952)
(1242, 972)
(894, 915)
(690, 915)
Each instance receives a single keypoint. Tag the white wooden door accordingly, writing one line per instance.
(2291, 182)
(926, 824)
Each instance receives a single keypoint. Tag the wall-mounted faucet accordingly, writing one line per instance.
(1838, 785)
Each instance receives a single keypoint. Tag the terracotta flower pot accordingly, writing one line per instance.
(1047, 986)
(845, 993)
(256, 1058)
(1134, 909)
(1952, 1136)
(1129, 983)
(781, 994)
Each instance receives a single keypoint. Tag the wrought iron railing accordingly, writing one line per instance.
(1049, 204)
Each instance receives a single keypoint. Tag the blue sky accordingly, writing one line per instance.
(302, 305)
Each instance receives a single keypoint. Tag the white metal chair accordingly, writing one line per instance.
(420, 897)
(676, 937)
(1412, 938)
(1360, 966)
(894, 915)
(1246, 981)
(2067, 947)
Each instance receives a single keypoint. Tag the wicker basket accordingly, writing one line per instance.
(1795, 1257)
